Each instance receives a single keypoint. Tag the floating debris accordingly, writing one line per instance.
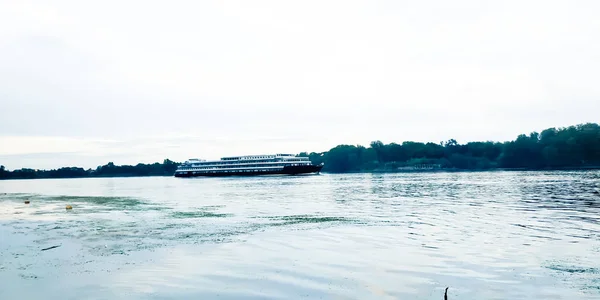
(50, 247)
(26, 201)
(69, 207)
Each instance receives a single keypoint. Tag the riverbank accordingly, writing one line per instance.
(442, 170)
(570, 148)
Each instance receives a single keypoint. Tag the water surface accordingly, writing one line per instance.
(489, 235)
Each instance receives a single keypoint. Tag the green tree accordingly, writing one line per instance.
(3, 173)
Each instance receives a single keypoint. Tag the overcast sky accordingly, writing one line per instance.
(88, 82)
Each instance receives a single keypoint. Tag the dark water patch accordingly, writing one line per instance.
(125, 247)
(100, 201)
(66, 198)
(295, 222)
(169, 226)
(421, 223)
(16, 196)
(92, 204)
(429, 247)
(307, 219)
(545, 237)
(28, 276)
(574, 269)
(211, 207)
(593, 287)
(585, 237)
(546, 229)
(46, 240)
(586, 279)
(198, 214)
(193, 235)
(53, 211)
(590, 219)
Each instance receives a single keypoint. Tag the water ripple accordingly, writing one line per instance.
(487, 235)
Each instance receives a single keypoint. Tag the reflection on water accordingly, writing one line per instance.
(490, 235)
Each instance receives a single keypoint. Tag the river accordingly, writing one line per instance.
(485, 235)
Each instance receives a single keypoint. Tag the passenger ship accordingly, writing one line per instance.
(248, 165)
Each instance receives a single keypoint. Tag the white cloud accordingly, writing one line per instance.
(14, 145)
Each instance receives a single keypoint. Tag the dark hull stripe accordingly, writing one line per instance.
(288, 170)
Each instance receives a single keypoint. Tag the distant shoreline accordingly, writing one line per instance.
(85, 177)
(593, 168)
(571, 148)
(585, 168)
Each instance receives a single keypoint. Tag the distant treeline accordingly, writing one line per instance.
(573, 147)
(167, 168)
